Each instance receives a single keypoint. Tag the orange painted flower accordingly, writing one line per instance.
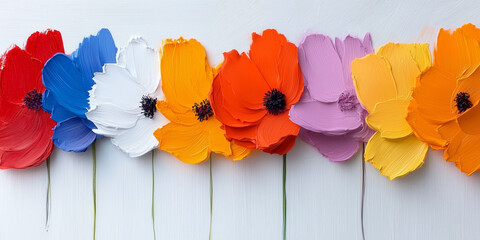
(444, 111)
(193, 132)
(252, 95)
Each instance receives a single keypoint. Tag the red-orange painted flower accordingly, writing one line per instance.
(25, 129)
(252, 94)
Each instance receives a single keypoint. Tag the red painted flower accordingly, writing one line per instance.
(25, 129)
(252, 95)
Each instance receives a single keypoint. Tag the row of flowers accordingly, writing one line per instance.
(333, 94)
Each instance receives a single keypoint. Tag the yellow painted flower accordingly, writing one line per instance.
(384, 82)
(193, 132)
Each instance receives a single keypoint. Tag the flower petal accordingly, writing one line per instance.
(348, 50)
(43, 45)
(321, 68)
(467, 85)
(73, 136)
(395, 157)
(469, 121)
(389, 119)
(463, 150)
(282, 147)
(66, 82)
(186, 75)
(424, 129)
(142, 62)
(326, 118)
(139, 140)
(272, 130)
(107, 117)
(20, 74)
(373, 81)
(93, 53)
(404, 67)
(335, 148)
(238, 152)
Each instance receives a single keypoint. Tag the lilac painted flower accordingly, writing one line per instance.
(331, 117)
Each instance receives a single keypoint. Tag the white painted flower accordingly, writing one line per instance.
(123, 99)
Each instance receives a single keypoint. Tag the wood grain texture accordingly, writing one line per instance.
(323, 198)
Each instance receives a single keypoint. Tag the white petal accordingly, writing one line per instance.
(139, 140)
(142, 62)
(117, 87)
(108, 117)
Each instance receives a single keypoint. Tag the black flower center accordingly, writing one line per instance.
(33, 100)
(274, 101)
(148, 106)
(203, 110)
(463, 102)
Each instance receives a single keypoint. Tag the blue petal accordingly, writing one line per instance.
(67, 85)
(73, 136)
(48, 101)
(89, 123)
(94, 52)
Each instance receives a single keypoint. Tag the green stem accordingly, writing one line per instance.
(363, 191)
(284, 196)
(94, 183)
(48, 204)
(211, 199)
(153, 194)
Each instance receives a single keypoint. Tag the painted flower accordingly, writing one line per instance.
(194, 131)
(384, 82)
(444, 111)
(329, 112)
(67, 80)
(252, 95)
(25, 129)
(123, 99)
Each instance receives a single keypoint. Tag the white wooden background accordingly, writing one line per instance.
(324, 199)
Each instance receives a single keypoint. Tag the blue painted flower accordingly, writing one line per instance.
(67, 80)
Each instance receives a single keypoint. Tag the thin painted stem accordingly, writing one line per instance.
(48, 204)
(284, 196)
(211, 199)
(153, 194)
(94, 185)
(363, 191)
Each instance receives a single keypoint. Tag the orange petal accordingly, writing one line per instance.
(468, 85)
(464, 151)
(373, 80)
(424, 129)
(186, 118)
(433, 95)
(469, 122)
(186, 74)
(274, 129)
(283, 147)
(239, 152)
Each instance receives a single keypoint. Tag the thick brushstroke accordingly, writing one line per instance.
(115, 100)
(383, 83)
(194, 132)
(444, 111)
(67, 80)
(329, 112)
(242, 99)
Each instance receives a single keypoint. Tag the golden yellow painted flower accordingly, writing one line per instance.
(384, 82)
(193, 132)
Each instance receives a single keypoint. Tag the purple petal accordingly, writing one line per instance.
(326, 118)
(348, 50)
(335, 148)
(321, 68)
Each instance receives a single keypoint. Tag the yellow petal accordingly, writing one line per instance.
(186, 74)
(239, 152)
(395, 157)
(407, 62)
(389, 118)
(373, 80)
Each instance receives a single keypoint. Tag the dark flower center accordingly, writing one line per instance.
(33, 100)
(347, 101)
(463, 102)
(274, 101)
(203, 110)
(148, 106)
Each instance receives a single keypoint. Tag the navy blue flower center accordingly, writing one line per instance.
(274, 101)
(347, 101)
(148, 106)
(463, 102)
(33, 100)
(203, 110)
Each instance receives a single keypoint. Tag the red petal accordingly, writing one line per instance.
(283, 147)
(43, 45)
(273, 130)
